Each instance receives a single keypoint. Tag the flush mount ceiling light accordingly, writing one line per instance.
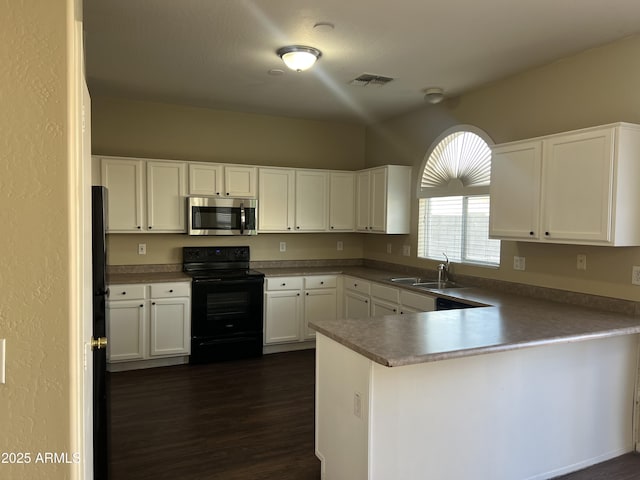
(433, 95)
(298, 57)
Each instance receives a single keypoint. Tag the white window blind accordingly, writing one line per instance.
(459, 227)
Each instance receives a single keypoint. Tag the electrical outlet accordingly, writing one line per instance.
(340, 246)
(518, 263)
(582, 262)
(389, 247)
(406, 250)
(635, 275)
(142, 249)
(283, 246)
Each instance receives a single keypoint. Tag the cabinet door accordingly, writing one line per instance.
(378, 202)
(312, 201)
(515, 191)
(363, 198)
(577, 186)
(319, 304)
(414, 302)
(170, 327)
(126, 330)
(381, 307)
(240, 181)
(342, 200)
(166, 189)
(283, 311)
(356, 305)
(205, 179)
(276, 200)
(124, 180)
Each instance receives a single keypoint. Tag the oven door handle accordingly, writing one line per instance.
(243, 219)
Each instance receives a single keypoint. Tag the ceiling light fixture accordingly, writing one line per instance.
(433, 95)
(298, 57)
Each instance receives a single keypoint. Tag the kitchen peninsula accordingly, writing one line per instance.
(519, 389)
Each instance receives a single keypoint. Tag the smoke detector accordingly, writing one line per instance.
(433, 95)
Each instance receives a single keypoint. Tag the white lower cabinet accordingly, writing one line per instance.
(291, 302)
(126, 326)
(356, 298)
(370, 299)
(384, 300)
(320, 301)
(148, 321)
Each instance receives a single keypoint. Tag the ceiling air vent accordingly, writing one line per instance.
(368, 80)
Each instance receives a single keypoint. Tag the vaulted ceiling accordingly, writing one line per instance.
(221, 53)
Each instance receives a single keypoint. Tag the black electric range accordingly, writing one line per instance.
(226, 303)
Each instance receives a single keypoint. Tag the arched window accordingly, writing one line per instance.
(454, 199)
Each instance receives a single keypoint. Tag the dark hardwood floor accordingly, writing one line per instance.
(246, 419)
(242, 420)
(625, 467)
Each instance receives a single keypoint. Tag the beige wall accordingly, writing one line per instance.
(153, 130)
(166, 248)
(34, 213)
(595, 87)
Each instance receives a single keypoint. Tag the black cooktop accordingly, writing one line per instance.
(217, 262)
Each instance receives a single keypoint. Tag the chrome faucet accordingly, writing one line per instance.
(443, 270)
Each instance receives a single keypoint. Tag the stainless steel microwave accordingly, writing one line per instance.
(222, 216)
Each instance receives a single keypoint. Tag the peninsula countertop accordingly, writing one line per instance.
(501, 322)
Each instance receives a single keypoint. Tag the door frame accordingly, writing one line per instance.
(80, 278)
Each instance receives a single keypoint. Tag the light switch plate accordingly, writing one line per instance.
(2, 359)
(340, 246)
(283, 246)
(635, 275)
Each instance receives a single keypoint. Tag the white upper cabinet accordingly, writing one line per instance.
(293, 200)
(383, 199)
(515, 190)
(124, 179)
(276, 203)
(342, 201)
(240, 181)
(577, 187)
(166, 190)
(312, 201)
(144, 195)
(206, 179)
(223, 180)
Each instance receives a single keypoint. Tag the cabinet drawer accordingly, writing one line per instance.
(283, 283)
(422, 303)
(385, 293)
(357, 285)
(320, 281)
(168, 290)
(127, 292)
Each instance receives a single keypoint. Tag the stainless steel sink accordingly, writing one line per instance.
(426, 283)
(437, 285)
(408, 280)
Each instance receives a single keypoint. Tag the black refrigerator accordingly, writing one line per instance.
(100, 375)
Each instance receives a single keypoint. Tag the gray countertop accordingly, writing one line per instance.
(147, 277)
(504, 322)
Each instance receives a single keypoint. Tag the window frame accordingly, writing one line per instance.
(453, 190)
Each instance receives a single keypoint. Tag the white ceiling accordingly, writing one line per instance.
(217, 53)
